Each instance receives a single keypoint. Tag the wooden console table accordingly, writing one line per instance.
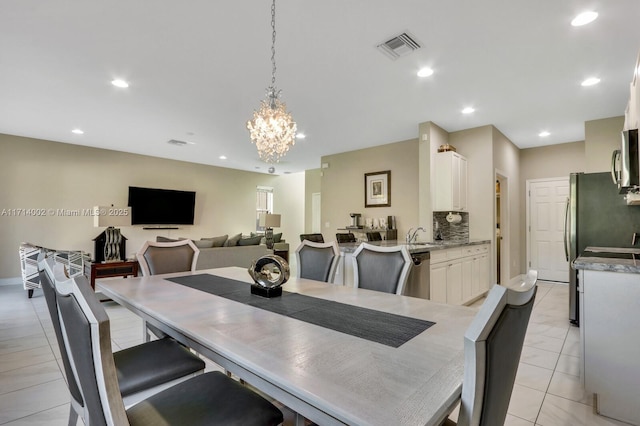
(123, 268)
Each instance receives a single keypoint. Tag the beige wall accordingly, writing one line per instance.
(312, 185)
(551, 161)
(343, 186)
(477, 147)
(506, 161)
(39, 174)
(601, 138)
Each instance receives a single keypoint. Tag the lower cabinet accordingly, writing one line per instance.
(460, 275)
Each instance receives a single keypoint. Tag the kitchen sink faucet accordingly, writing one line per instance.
(413, 234)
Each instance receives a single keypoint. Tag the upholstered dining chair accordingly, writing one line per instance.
(492, 348)
(157, 258)
(207, 399)
(316, 238)
(374, 236)
(163, 258)
(317, 261)
(142, 370)
(381, 268)
(345, 237)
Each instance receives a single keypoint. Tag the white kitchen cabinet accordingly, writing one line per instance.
(609, 324)
(438, 283)
(460, 275)
(469, 278)
(454, 282)
(450, 189)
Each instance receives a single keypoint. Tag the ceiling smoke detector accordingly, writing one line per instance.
(400, 45)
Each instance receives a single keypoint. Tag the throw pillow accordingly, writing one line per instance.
(277, 237)
(251, 241)
(161, 239)
(233, 241)
(218, 241)
(203, 243)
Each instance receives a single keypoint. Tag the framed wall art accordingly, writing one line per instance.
(377, 189)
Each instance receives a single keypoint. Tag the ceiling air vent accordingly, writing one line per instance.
(177, 142)
(398, 46)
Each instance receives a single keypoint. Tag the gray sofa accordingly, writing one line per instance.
(218, 257)
(229, 251)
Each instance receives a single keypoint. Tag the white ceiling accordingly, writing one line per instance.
(198, 68)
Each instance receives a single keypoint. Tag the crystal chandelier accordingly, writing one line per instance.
(272, 128)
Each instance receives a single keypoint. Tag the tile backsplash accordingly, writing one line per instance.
(456, 232)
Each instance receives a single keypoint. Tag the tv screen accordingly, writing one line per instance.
(150, 206)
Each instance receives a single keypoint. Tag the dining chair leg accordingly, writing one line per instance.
(73, 416)
(146, 336)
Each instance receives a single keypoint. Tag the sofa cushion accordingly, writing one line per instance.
(203, 243)
(218, 241)
(219, 257)
(161, 239)
(251, 241)
(276, 237)
(233, 241)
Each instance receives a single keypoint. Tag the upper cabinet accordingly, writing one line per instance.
(450, 188)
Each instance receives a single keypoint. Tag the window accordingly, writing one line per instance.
(264, 204)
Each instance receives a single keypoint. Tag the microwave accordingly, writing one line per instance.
(625, 163)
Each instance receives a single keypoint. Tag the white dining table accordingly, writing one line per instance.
(325, 375)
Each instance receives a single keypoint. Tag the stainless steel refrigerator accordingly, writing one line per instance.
(597, 215)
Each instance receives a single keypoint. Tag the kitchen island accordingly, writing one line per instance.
(454, 272)
(609, 291)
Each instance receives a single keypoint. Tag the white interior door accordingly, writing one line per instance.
(547, 207)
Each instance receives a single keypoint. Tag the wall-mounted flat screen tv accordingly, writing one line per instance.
(151, 206)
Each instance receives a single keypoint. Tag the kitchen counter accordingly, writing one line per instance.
(609, 318)
(420, 247)
(611, 259)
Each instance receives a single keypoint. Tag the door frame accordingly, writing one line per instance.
(505, 211)
(528, 240)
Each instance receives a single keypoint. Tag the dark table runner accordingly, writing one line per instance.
(381, 327)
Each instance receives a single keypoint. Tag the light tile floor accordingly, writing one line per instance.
(33, 392)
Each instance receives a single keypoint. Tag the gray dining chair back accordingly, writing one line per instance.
(374, 236)
(207, 399)
(492, 348)
(383, 269)
(316, 238)
(48, 289)
(166, 257)
(317, 261)
(345, 237)
(142, 370)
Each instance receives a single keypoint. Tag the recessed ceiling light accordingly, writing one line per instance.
(120, 83)
(468, 110)
(300, 136)
(78, 131)
(223, 157)
(591, 81)
(544, 134)
(425, 72)
(584, 18)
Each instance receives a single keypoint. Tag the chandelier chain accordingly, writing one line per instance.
(273, 43)
(272, 128)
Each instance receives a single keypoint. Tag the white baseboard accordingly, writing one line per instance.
(11, 281)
